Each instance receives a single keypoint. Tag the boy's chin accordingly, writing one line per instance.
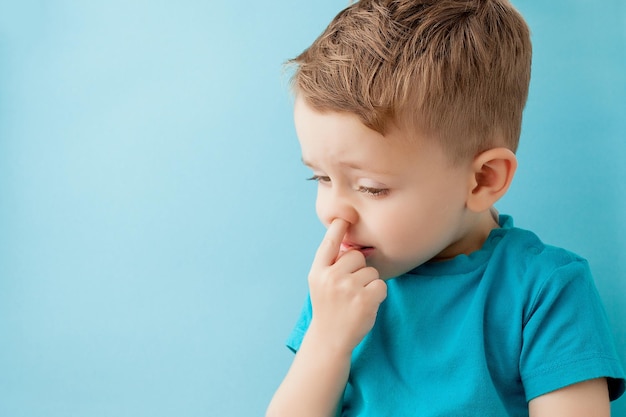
(387, 271)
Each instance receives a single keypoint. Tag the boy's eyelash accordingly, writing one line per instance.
(319, 178)
(374, 192)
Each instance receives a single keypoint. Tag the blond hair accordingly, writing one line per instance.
(455, 69)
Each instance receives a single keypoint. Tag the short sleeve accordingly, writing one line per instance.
(297, 334)
(566, 337)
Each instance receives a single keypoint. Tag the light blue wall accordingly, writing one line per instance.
(571, 184)
(155, 228)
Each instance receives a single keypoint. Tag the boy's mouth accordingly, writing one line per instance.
(365, 250)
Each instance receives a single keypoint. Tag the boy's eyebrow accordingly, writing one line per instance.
(350, 165)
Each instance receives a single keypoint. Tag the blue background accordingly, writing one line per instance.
(155, 226)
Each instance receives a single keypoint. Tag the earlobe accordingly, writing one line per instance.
(492, 174)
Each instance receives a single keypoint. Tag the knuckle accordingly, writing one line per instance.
(330, 242)
(355, 256)
(333, 274)
(373, 272)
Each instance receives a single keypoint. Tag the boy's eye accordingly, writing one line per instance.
(319, 178)
(375, 192)
(372, 191)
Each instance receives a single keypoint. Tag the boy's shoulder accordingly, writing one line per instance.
(524, 261)
(524, 247)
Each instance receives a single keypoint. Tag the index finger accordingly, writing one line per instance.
(331, 244)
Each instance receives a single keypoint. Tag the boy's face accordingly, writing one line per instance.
(403, 199)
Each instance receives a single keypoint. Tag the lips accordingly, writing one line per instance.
(365, 250)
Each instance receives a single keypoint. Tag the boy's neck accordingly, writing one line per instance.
(475, 236)
(495, 215)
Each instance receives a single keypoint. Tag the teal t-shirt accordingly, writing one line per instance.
(481, 334)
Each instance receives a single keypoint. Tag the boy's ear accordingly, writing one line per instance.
(491, 176)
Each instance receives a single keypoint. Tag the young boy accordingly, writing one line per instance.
(423, 300)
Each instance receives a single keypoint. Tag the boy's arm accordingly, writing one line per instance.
(315, 382)
(585, 399)
(345, 296)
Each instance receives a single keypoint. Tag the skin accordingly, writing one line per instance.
(403, 199)
(390, 203)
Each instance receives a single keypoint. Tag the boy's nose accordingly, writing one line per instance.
(335, 206)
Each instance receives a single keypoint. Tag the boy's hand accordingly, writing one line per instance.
(345, 292)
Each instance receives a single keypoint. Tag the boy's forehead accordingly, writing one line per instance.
(342, 140)
(398, 128)
(311, 122)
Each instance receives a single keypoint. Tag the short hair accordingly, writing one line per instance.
(455, 69)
